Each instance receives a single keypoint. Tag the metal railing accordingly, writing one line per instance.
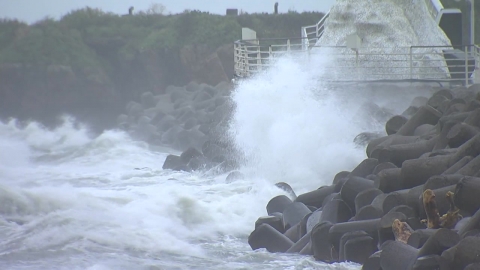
(311, 33)
(253, 56)
(476, 54)
(428, 63)
(434, 8)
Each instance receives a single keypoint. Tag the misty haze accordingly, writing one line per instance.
(239, 134)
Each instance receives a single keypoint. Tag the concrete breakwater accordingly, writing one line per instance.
(191, 119)
(412, 203)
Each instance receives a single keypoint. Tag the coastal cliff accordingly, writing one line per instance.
(91, 63)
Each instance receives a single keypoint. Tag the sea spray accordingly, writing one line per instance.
(104, 202)
(292, 127)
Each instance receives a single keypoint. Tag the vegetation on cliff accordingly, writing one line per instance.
(92, 63)
(90, 37)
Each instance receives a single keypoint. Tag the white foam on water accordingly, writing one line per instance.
(69, 199)
(105, 203)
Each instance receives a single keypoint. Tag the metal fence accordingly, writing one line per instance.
(311, 33)
(435, 63)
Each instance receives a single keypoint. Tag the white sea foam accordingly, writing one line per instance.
(293, 128)
(69, 199)
(104, 202)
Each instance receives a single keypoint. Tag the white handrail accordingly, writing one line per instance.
(400, 63)
(311, 33)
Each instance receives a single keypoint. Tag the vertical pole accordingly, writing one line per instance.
(259, 59)
(270, 56)
(466, 65)
(304, 36)
(411, 64)
(246, 60)
(356, 63)
(288, 44)
(472, 22)
(235, 58)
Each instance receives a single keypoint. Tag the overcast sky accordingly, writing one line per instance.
(34, 10)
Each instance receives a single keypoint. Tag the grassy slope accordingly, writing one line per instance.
(90, 37)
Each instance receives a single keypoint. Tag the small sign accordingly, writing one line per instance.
(248, 34)
(232, 11)
(354, 42)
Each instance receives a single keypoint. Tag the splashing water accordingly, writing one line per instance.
(293, 127)
(72, 200)
(69, 199)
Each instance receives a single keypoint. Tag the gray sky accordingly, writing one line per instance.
(34, 10)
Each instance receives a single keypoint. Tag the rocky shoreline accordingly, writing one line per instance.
(413, 203)
(191, 119)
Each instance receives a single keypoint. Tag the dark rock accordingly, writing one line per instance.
(395, 123)
(338, 230)
(343, 241)
(359, 249)
(275, 221)
(398, 256)
(368, 212)
(335, 211)
(419, 237)
(441, 240)
(300, 244)
(394, 199)
(366, 197)
(406, 210)
(425, 115)
(467, 252)
(430, 262)
(173, 162)
(294, 213)
(190, 153)
(373, 262)
(389, 180)
(467, 194)
(352, 187)
(265, 236)
(321, 247)
(383, 166)
(278, 204)
(313, 219)
(315, 197)
(365, 167)
(384, 228)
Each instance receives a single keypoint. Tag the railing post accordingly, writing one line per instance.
(245, 60)
(466, 66)
(356, 64)
(476, 65)
(411, 63)
(304, 36)
(270, 55)
(259, 58)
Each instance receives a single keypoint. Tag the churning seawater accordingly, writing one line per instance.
(73, 200)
